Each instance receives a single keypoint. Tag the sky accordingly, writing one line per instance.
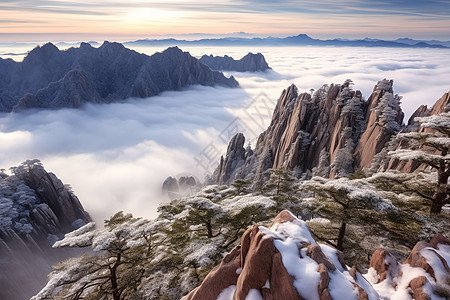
(59, 20)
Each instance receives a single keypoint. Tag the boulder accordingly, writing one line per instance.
(425, 274)
(282, 261)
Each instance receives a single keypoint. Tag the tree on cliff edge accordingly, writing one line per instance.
(431, 146)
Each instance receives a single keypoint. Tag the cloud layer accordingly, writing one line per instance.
(116, 156)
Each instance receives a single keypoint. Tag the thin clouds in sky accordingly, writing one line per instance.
(346, 18)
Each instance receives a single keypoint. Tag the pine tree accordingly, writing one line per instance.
(431, 146)
(280, 187)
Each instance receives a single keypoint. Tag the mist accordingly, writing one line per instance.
(116, 156)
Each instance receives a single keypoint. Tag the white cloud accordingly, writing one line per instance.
(116, 156)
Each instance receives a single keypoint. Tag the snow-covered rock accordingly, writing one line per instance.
(283, 261)
(425, 274)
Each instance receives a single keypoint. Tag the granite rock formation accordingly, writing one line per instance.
(36, 209)
(282, 262)
(50, 78)
(332, 133)
(425, 274)
(249, 63)
(177, 188)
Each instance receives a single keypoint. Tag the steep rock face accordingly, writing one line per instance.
(282, 262)
(332, 129)
(425, 274)
(36, 209)
(249, 63)
(377, 133)
(72, 91)
(69, 78)
(234, 158)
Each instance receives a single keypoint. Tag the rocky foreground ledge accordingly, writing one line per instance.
(284, 261)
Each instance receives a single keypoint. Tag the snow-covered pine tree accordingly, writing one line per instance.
(387, 111)
(431, 146)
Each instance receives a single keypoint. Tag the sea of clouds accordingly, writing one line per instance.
(116, 156)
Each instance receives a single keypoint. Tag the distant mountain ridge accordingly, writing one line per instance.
(298, 40)
(249, 63)
(50, 78)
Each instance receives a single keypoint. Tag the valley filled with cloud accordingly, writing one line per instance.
(116, 156)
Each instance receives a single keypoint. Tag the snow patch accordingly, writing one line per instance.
(254, 294)
(227, 293)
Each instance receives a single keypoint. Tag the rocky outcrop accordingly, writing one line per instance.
(425, 274)
(282, 262)
(36, 209)
(177, 188)
(378, 131)
(249, 63)
(50, 78)
(235, 158)
(334, 129)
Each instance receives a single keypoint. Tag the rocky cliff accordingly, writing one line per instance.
(283, 261)
(331, 133)
(50, 78)
(36, 209)
(249, 63)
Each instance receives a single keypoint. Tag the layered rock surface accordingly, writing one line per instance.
(36, 209)
(50, 78)
(425, 274)
(282, 262)
(249, 63)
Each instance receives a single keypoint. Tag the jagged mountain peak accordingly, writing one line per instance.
(249, 63)
(335, 119)
(42, 53)
(113, 72)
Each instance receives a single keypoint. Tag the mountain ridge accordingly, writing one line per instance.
(50, 78)
(298, 40)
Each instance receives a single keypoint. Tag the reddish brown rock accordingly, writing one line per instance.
(435, 278)
(375, 137)
(384, 264)
(283, 217)
(422, 111)
(416, 286)
(281, 278)
(439, 239)
(263, 269)
(219, 278)
(323, 283)
(257, 264)
(318, 256)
